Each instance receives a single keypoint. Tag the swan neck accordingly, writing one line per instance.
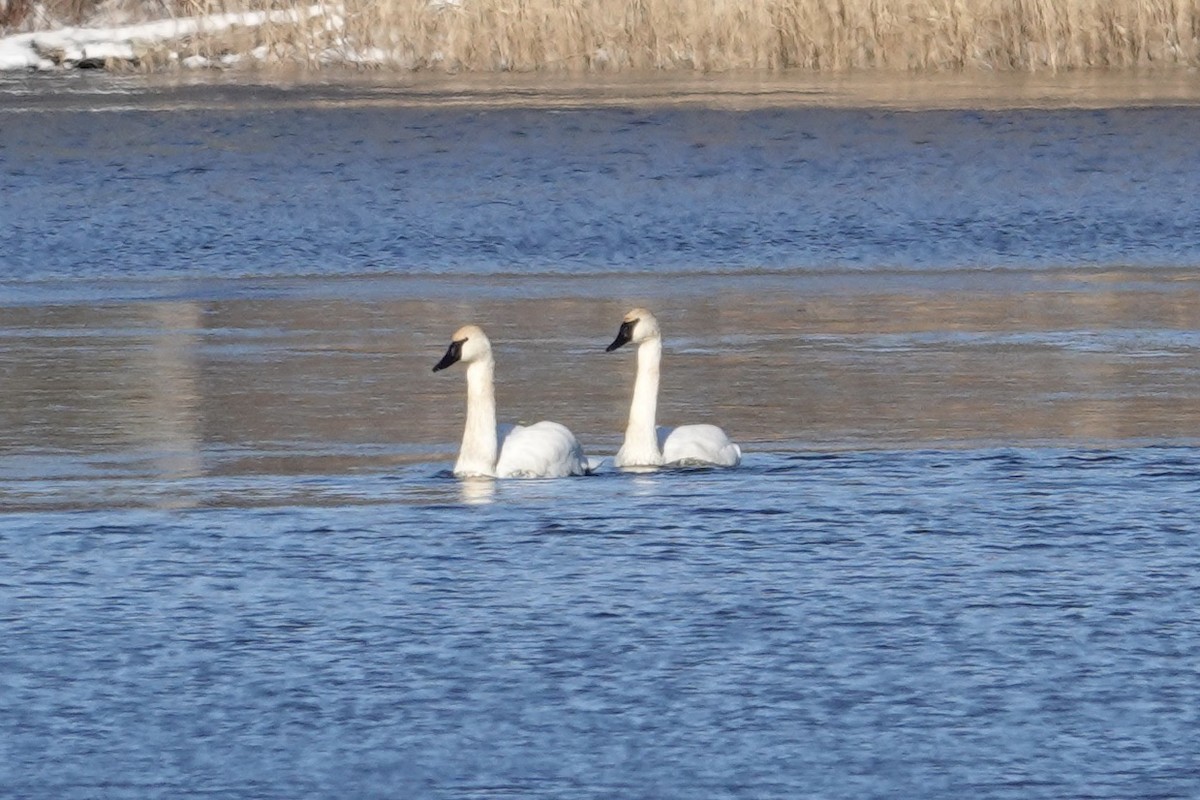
(640, 436)
(477, 456)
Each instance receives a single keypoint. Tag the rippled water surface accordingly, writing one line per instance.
(959, 347)
(262, 182)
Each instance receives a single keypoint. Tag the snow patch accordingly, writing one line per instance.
(73, 47)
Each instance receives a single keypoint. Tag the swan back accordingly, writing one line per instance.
(543, 450)
(700, 445)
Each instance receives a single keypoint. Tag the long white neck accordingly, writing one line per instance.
(477, 456)
(641, 441)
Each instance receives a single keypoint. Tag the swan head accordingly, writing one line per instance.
(638, 326)
(469, 343)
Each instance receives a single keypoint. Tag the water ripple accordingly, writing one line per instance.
(743, 189)
(912, 637)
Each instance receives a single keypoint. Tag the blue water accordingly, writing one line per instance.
(959, 560)
(1008, 623)
(275, 189)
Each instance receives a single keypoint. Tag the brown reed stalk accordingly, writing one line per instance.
(721, 35)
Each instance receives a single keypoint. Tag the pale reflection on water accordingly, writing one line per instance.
(477, 491)
(167, 370)
(323, 379)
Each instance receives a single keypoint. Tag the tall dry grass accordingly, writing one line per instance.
(589, 35)
(718, 35)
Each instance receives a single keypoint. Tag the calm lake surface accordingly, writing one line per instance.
(957, 338)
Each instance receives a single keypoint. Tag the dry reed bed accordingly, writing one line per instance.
(719, 35)
(588, 35)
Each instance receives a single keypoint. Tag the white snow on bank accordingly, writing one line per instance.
(70, 47)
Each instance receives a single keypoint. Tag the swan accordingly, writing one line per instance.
(646, 446)
(543, 450)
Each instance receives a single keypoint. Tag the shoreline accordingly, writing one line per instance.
(734, 91)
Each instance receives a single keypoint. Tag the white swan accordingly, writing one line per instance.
(544, 450)
(646, 446)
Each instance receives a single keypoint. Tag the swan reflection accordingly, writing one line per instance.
(477, 491)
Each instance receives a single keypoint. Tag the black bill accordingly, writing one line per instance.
(453, 354)
(624, 336)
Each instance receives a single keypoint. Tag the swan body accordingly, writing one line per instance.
(542, 450)
(645, 444)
